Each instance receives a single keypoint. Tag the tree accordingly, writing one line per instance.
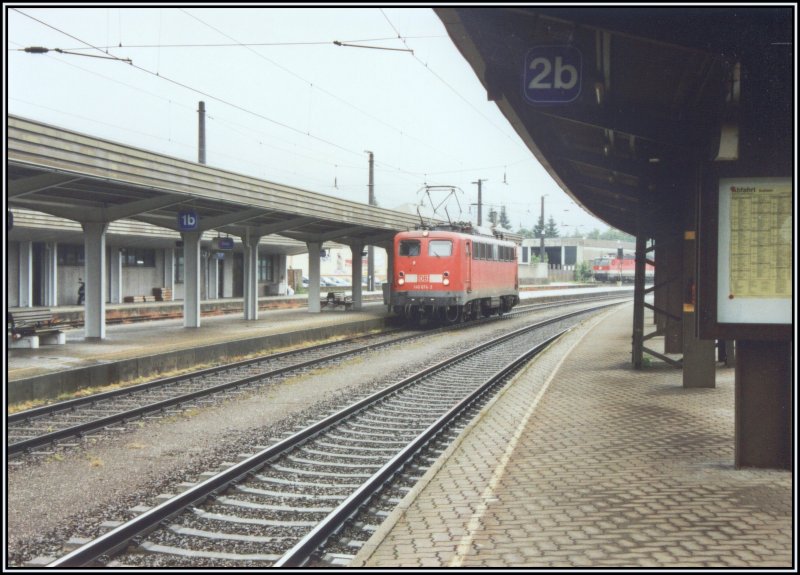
(583, 272)
(493, 216)
(539, 227)
(594, 234)
(504, 221)
(551, 231)
(614, 234)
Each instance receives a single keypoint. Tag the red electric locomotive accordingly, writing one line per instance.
(452, 274)
(615, 269)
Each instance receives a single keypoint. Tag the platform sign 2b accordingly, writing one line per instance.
(552, 74)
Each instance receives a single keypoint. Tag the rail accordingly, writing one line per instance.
(119, 537)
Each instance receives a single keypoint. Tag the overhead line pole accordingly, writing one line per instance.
(201, 152)
(370, 248)
(480, 219)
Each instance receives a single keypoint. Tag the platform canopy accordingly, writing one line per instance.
(619, 103)
(85, 179)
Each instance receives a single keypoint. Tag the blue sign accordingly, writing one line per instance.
(222, 243)
(552, 74)
(187, 221)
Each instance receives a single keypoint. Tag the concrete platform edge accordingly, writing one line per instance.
(52, 385)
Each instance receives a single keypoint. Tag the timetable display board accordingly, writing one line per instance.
(754, 266)
(751, 293)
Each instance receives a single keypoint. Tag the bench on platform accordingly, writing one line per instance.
(337, 299)
(29, 327)
(139, 298)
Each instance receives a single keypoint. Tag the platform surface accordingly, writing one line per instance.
(598, 466)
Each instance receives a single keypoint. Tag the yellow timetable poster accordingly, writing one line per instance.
(761, 239)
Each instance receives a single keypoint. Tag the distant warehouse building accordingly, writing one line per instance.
(563, 255)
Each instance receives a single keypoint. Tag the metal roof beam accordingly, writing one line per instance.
(332, 235)
(678, 133)
(240, 216)
(623, 166)
(284, 225)
(100, 214)
(603, 188)
(340, 233)
(33, 184)
(129, 209)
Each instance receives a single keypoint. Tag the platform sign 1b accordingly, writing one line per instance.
(187, 220)
(552, 74)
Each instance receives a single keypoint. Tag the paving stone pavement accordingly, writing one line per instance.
(598, 466)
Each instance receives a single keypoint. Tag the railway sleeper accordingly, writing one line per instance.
(325, 474)
(335, 463)
(294, 482)
(288, 495)
(380, 459)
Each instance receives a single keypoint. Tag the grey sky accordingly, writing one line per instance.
(300, 111)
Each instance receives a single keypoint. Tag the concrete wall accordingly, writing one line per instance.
(68, 284)
(533, 273)
(142, 280)
(138, 280)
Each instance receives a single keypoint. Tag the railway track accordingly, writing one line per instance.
(280, 506)
(38, 428)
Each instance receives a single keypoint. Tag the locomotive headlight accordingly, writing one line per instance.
(446, 281)
(401, 281)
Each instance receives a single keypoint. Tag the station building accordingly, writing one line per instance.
(45, 262)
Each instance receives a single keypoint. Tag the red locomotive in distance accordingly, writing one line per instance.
(452, 274)
(616, 269)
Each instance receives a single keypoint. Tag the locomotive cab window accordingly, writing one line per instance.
(440, 248)
(409, 248)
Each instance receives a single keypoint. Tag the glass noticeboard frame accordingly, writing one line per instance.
(746, 264)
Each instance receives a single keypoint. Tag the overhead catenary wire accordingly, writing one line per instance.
(252, 44)
(442, 80)
(198, 91)
(321, 89)
(415, 175)
(221, 100)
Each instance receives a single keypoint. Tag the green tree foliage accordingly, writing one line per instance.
(583, 272)
(504, 221)
(539, 227)
(610, 234)
(493, 216)
(551, 231)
